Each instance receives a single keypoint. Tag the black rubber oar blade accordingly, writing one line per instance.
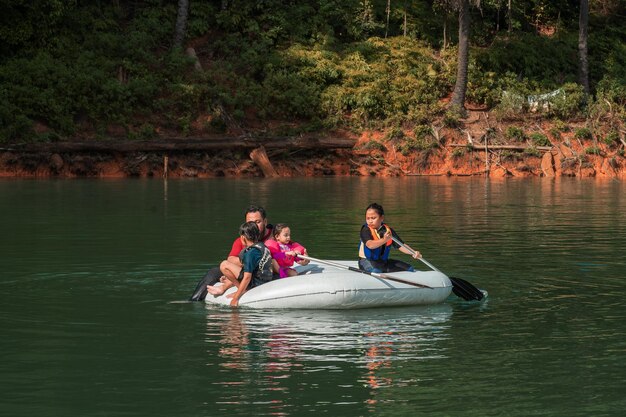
(210, 278)
(465, 290)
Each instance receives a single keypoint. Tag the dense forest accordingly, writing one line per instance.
(144, 70)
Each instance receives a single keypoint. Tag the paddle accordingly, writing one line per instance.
(460, 287)
(211, 277)
(374, 274)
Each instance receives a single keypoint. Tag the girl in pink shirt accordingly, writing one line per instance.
(284, 251)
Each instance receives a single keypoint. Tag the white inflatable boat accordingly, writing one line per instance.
(322, 286)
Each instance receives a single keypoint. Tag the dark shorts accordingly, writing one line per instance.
(390, 265)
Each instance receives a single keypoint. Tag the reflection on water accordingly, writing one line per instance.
(90, 268)
(282, 348)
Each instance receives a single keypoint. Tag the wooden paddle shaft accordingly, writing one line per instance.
(421, 258)
(374, 274)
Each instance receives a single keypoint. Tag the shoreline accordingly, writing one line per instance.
(559, 160)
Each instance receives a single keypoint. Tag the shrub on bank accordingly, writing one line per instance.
(539, 139)
(583, 133)
(515, 133)
(382, 79)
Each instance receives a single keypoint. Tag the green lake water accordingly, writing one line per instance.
(91, 268)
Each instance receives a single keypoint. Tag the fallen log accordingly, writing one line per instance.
(445, 174)
(259, 156)
(187, 144)
(478, 147)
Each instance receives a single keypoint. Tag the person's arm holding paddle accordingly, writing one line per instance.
(389, 235)
(373, 243)
(401, 246)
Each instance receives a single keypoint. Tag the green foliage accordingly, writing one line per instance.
(608, 62)
(556, 133)
(76, 80)
(539, 139)
(569, 103)
(384, 78)
(515, 133)
(490, 88)
(532, 151)
(13, 124)
(512, 106)
(289, 95)
(47, 137)
(612, 138)
(458, 153)
(545, 62)
(201, 19)
(451, 119)
(564, 102)
(395, 133)
(146, 131)
(35, 23)
(423, 132)
(593, 150)
(561, 126)
(72, 66)
(411, 145)
(583, 134)
(483, 87)
(613, 90)
(511, 156)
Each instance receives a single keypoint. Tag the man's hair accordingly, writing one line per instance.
(250, 231)
(377, 208)
(255, 209)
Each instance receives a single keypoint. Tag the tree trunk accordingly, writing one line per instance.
(445, 31)
(405, 22)
(388, 10)
(583, 69)
(498, 19)
(460, 87)
(510, 17)
(259, 156)
(181, 23)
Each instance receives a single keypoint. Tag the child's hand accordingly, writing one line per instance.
(417, 254)
(234, 302)
(303, 261)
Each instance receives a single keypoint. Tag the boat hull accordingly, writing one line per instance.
(322, 287)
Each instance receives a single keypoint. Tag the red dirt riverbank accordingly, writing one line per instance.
(458, 152)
